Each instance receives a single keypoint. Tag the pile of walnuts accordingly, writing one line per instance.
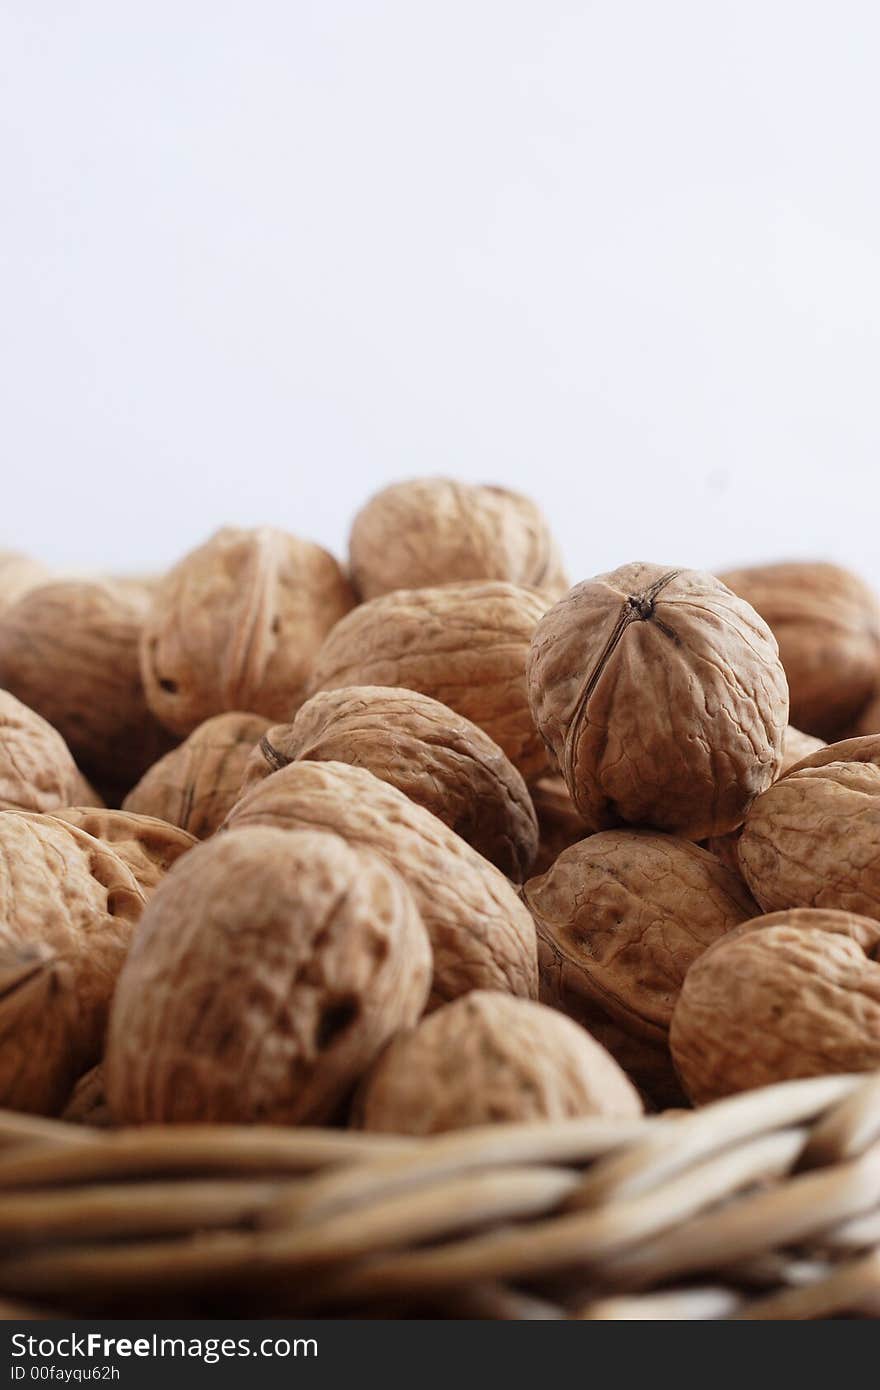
(432, 840)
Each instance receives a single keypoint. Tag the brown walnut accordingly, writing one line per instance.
(197, 783)
(789, 995)
(236, 624)
(269, 970)
(436, 757)
(463, 644)
(88, 1101)
(148, 846)
(795, 747)
(559, 823)
(481, 934)
(662, 698)
(37, 771)
(430, 531)
(827, 624)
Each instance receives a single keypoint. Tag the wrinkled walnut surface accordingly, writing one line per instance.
(436, 757)
(148, 846)
(269, 970)
(463, 644)
(196, 784)
(68, 910)
(437, 531)
(37, 771)
(827, 624)
(662, 697)
(481, 934)
(489, 1058)
(236, 624)
(791, 994)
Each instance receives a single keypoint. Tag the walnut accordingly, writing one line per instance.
(37, 771)
(236, 624)
(68, 910)
(621, 917)
(813, 838)
(269, 970)
(662, 697)
(868, 721)
(463, 644)
(18, 573)
(789, 995)
(481, 934)
(430, 531)
(69, 650)
(559, 823)
(827, 624)
(88, 1101)
(148, 846)
(197, 783)
(489, 1058)
(440, 760)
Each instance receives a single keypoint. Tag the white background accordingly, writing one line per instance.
(258, 258)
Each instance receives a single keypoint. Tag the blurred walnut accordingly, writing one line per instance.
(68, 909)
(620, 917)
(88, 1101)
(559, 823)
(269, 970)
(69, 650)
(18, 573)
(813, 839)
(197, 783)
(481, 934)
(792, 994)
(440, 760)
(489, 1058)
(662, 697)
(37, 772)
(236, 624)
(436, 531)
(827, 624)
(868, 721)
(463, 644)
(148, 846)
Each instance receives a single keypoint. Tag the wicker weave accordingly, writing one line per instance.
(763, 1206)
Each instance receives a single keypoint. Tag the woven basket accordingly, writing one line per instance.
(766, 1206)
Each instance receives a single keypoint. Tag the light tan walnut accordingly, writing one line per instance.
(559, 823)
(37, 771)
(236, 625)
(621, 917)
(197, 783)
(436, 757)
(463, 644)
(269, 970)
(430, 531)
(489, 1058)
(827, 624)
(788, 995)
(662, 698)
(481, 934)
(68, 910)
(69, 650)
(148, 846)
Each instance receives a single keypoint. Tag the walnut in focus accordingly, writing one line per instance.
(662, 698)
(430, 531)
(463, 644)
(196, 784)
(489, 1058)
(236, 625)
(436, 757)
(787, 995)
(37, 771)
(269, 971)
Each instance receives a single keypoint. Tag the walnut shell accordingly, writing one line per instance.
(868, 721)
(437, 758)
(69, 650)
(663, 699)
(621, 917)
(827, 624)
(559, 822)
(789, 995)
(88, 1101)
(430, 531)
(197, 784)
(37, 771)
(489, 1058)
(481, 934)
(269, 970)
(813, 838)
(18, 573)
(463, 644)
(236, 625)
(148, 846)
(68, 910)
